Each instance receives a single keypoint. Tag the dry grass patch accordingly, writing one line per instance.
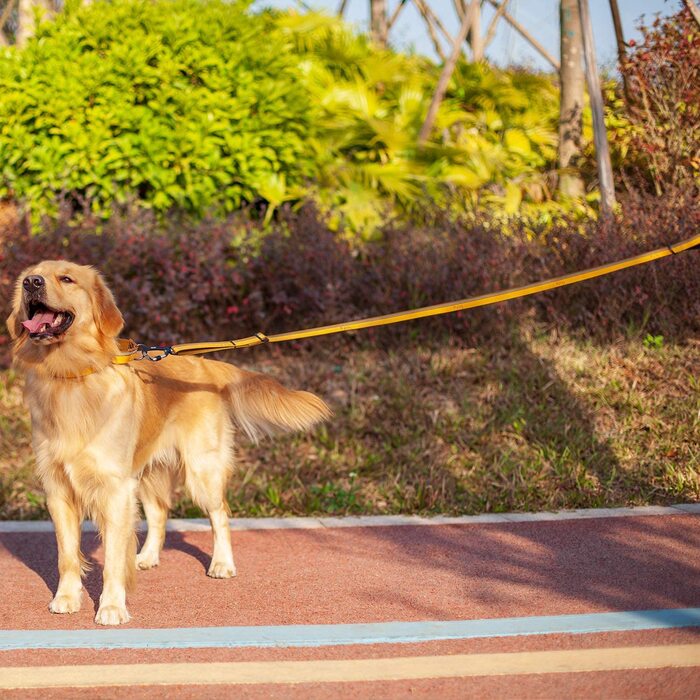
(538, 421)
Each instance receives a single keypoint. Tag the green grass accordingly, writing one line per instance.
(537, 421)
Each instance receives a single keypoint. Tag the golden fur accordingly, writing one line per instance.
(131, 431)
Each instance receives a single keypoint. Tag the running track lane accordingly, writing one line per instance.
(408, 574)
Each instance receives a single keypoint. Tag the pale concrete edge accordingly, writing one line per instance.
(299, 523)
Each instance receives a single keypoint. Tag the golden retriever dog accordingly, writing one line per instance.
(107, 434)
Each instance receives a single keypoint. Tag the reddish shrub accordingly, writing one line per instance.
(663, 75)
(308, 277)
(191, 283)
(171, 285)
(661, 297)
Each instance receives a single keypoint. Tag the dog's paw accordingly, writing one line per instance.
(219, 569)
(65, 604)
(147, 560)
(112, 615)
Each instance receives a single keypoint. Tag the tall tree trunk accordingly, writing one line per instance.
(431, 19)
(475, 38)
(395, 14)
(595, 95)
(26, 18)
(526, 35)
(619, 36)
(26, 21)
(621, 48)
(491, 31)
(4, 16)
(341, 8)
(445, 76)
(430, 25)
(378, 25)
(694, 10)
(571, 79)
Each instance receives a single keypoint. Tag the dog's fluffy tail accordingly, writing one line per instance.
(261, 405)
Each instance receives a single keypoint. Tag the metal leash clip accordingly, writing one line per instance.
(146, 351)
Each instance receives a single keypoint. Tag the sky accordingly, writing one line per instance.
(540, 17)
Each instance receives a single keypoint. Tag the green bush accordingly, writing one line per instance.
(199, 106)
(493, 146)
(509, 128)
(189, 104)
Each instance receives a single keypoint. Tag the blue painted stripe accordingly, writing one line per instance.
(329, 635)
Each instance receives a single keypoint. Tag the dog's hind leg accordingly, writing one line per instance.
(222, 565)
(208, 461)
(155, 488)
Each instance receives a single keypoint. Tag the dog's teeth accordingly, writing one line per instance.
(57, 320)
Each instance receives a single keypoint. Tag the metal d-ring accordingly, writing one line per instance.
(145, 351)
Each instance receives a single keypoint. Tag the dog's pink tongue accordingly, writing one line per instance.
(38, 320)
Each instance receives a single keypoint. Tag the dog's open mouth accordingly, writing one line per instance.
(44, 322)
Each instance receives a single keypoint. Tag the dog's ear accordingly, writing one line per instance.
(107, 316)
(14, 325)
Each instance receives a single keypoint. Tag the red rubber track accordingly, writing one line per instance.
(377, 574)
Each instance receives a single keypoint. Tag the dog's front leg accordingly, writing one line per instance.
(117, 524)
(66, 515)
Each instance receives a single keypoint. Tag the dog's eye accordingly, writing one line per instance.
(67, 280)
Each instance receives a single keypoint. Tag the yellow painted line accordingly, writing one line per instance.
(351, 670)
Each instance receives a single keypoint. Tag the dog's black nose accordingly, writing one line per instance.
(33, 282)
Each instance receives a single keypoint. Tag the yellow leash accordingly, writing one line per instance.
(132, 351)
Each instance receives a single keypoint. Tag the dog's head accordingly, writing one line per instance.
(58, 302)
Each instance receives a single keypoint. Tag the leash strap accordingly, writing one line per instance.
(134, 351)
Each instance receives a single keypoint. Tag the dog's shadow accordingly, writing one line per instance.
(176, 540)
(38, 552)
